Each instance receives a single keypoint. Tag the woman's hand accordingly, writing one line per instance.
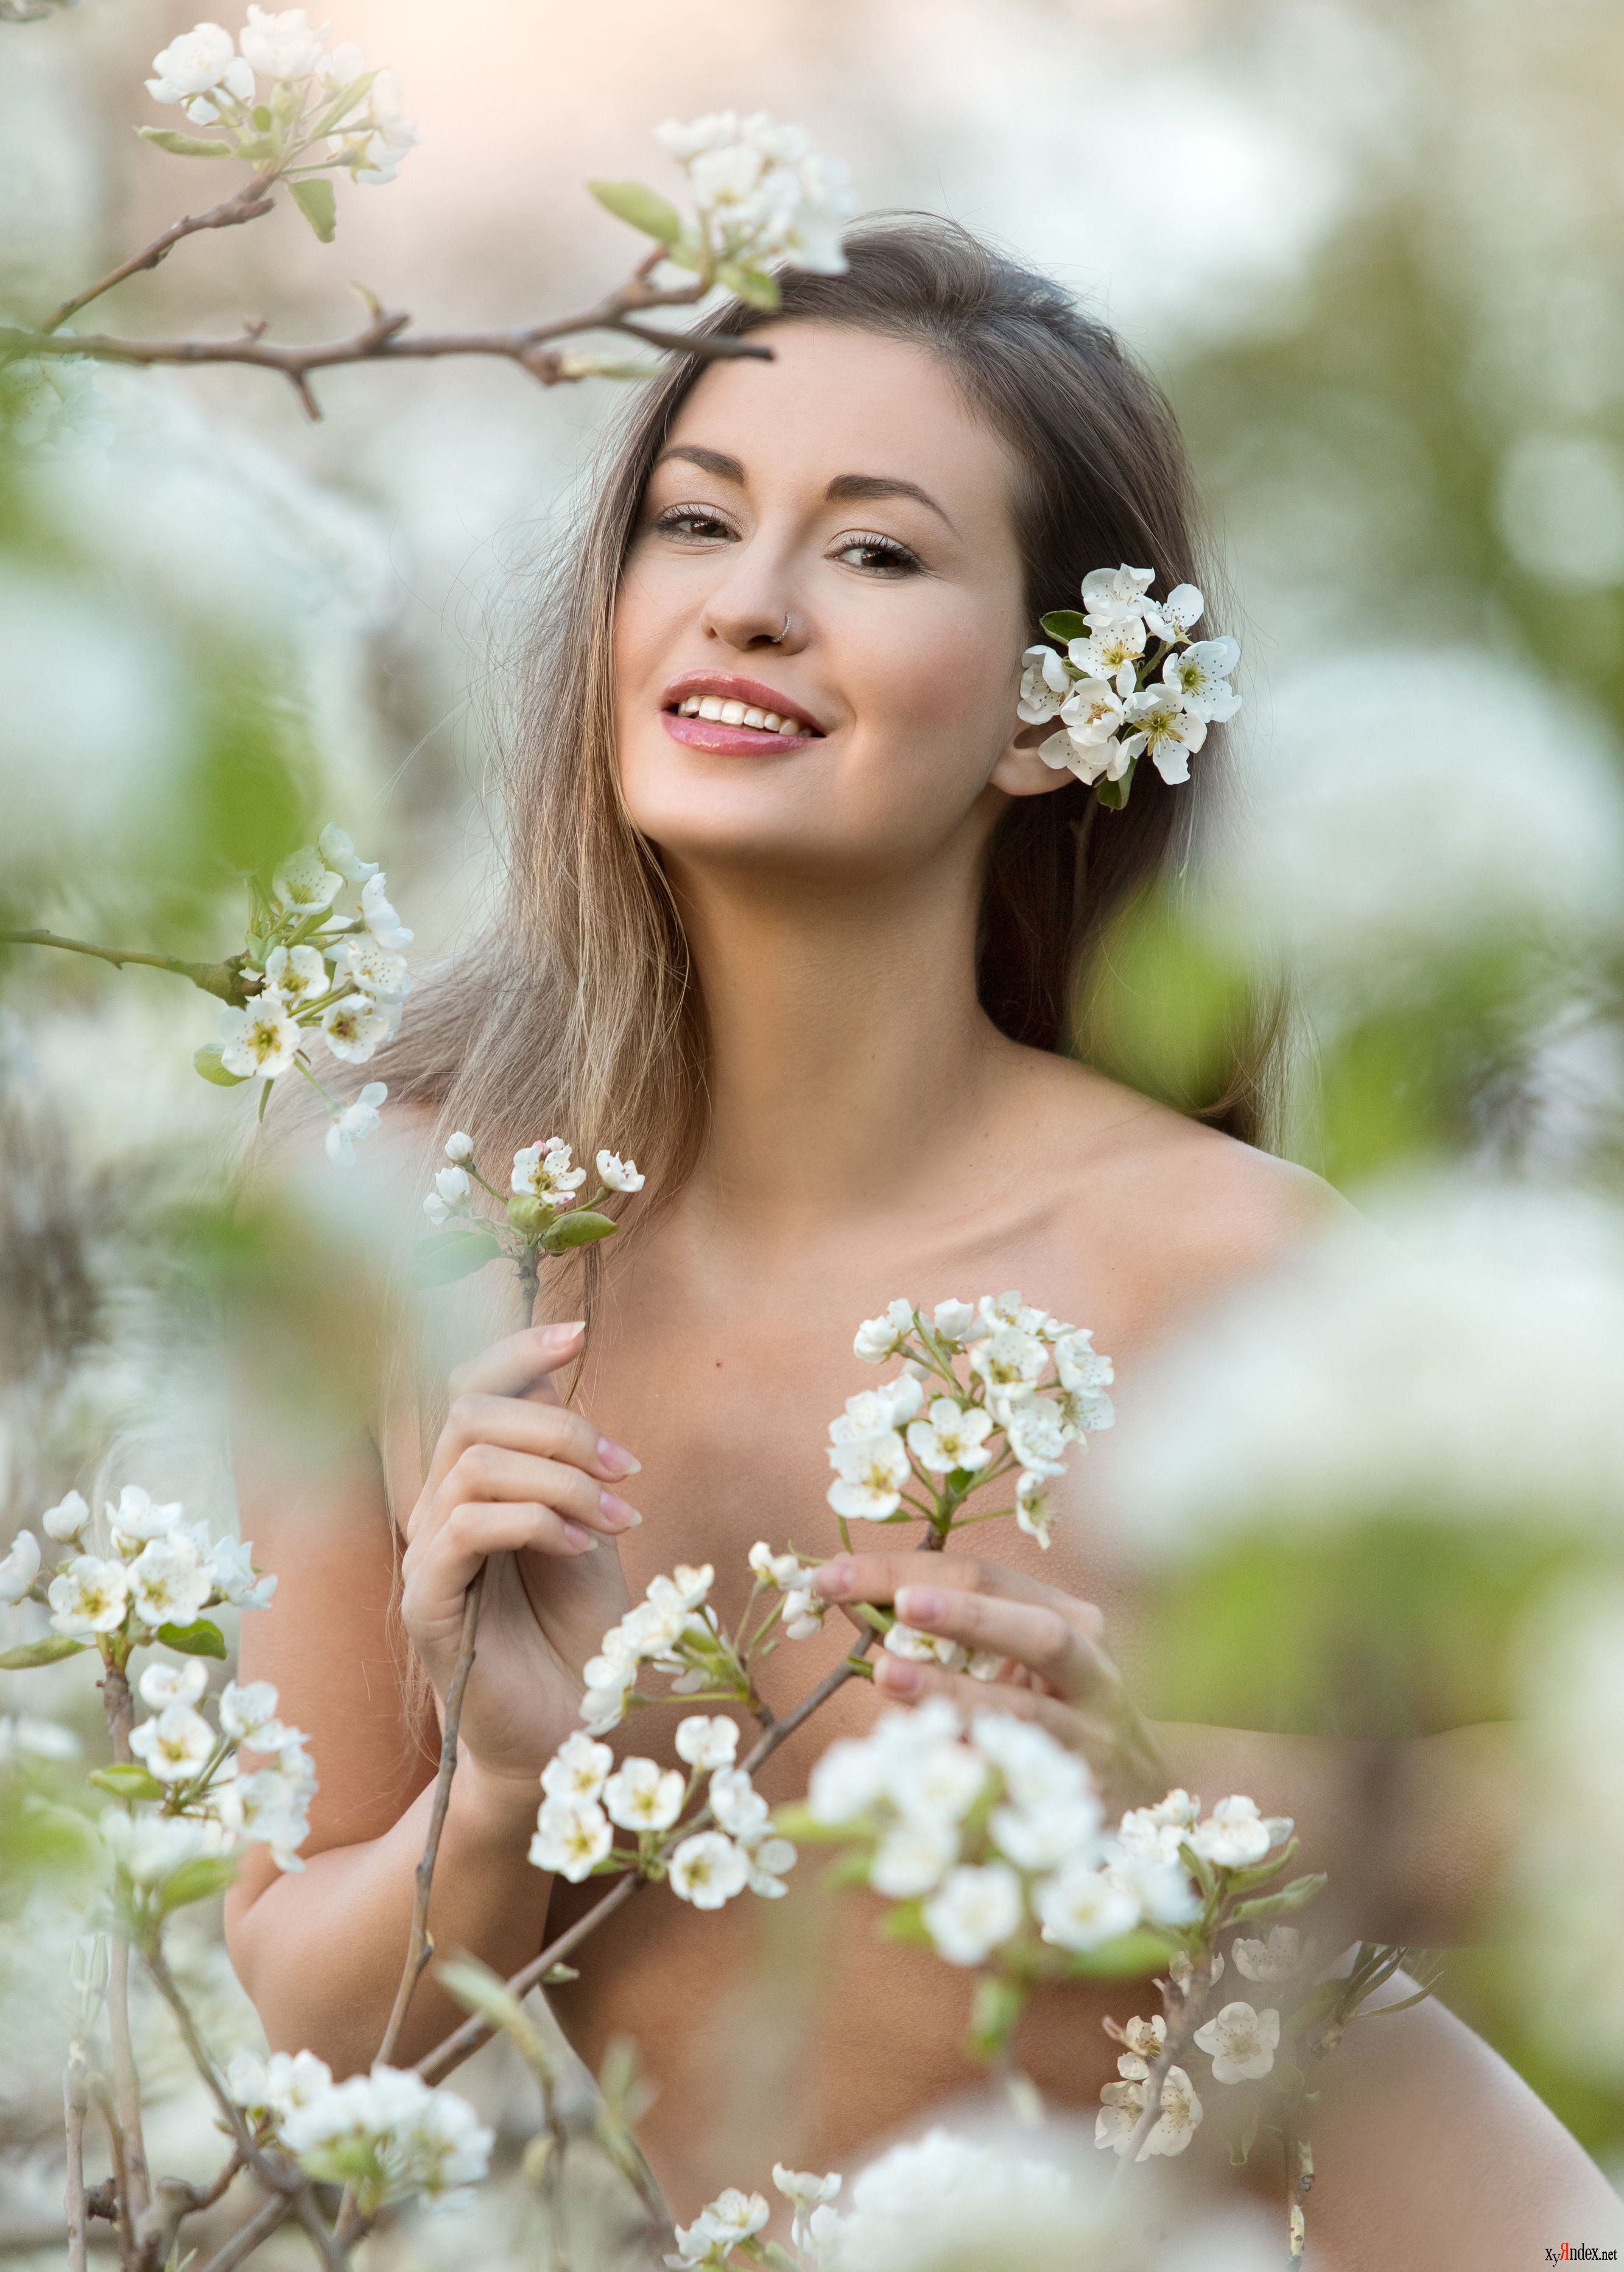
(518, 1480)
(1054, 1668)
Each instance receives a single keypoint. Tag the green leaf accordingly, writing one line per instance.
(997, 2008)
(196, 1880)
(754, 285)
(1247, 1881)
(127, 1779)
(48, 1651)
(1131, 1956)
(798, 1823)
(184, 145)
(1064, 624)
(1113, 794)
(1296, 1896)
(580, 1228)
(643, 208)
(261, 117)
(207, 1061)
(451, 1254)
(200, 1638)
(313, 196)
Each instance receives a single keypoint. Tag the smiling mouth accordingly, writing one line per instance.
(723, 712)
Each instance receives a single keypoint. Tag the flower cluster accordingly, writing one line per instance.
(161, 1572)
(1130, 682)
(542, 1210)
(998, 1410)
(585, 1797)
(322, 112)
(673, 1630)
(388, 2134)
(312, 967)
(734, 2219)
(760, 193)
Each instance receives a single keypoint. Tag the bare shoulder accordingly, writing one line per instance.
(1172, 1210)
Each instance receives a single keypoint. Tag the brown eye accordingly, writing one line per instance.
(693, 524)
(877, 556)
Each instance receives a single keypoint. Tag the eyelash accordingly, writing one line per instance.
(693, 523)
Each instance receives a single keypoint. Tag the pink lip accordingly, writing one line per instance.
(733, 741)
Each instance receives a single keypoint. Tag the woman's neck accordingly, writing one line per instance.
(847, 1049)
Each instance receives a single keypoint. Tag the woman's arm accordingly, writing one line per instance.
(517, 1478)
(1410, 1834)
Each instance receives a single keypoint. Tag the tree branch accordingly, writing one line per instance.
(385, 338)
(223, 980)
(253, 199)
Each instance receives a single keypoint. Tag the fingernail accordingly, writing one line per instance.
(559, 1334)
(896, 1674)
(623, 1517)
(833, 1581)
(616, 1459)
(578, 1541)
(920, 1605)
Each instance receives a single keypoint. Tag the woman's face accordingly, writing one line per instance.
(847, 486)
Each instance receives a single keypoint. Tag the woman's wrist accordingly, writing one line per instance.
(503, 1806)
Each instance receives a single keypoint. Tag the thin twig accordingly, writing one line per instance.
(223, 979)
(253, 199)
(386, 338)
(75, 2104)
(286, 2178)
(136, 2188)
(421, 1945)
(247, 2237)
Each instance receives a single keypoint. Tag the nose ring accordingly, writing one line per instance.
(779, 638)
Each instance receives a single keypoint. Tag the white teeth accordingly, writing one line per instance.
(710, 706)
(690, 707)
(757, 718)
(789, 726)
(736, 714)
(732, 713)
(771, 722)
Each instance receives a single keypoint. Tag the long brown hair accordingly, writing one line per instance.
(575, 1013)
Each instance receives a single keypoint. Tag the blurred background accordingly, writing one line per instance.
(1373, 253)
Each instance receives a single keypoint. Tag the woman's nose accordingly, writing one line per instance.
(757, 618)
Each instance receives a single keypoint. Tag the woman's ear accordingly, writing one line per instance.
(1020, 772)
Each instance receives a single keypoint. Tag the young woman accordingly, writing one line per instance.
(824, 980)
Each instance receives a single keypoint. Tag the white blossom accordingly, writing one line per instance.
(1240, 2043)
(1112, 594)
(544, 1171)
(268, 1806)
(196, 64)
(174, 1744)
(1095, 708)
(305, 883)
(923, 1647)
(1276, 1957)
(762, 193)
(278, 2084)
(1010, 1359)
(20, 1567)
(169, 1582)
(283, 46)
(1042, 1837)
(406, 2136)
(572, 1837)
(1200, 677)
(806, 2193)
(879, 1338)
(974, 1910)
(620, 1175)
(733, 2217)
(163, 1683)
(953, 1437)
(847, 1781)
(783, 1570)
(261, 1040)
(1176, 2124)
(452, 1191)
(1235, 1835)
(1080, 1907)
(958, 1323)
(579, 1768)
(66, 1521)
(642, 1797)
(232, 1568)
(1176, 616)
(298, 974)
(333, 844)
(915, 1855)
(1109, 653)
(706, 1742)
(354, 1026)
(737, 1806)
(1161, 728)
(707, 1870)
(802, 1614)
(1044, 683)
(869, 1471)
(149, 1848)
(459, 1148)
(88, 1596)
(767, 1863)
(138, 1518)
(353, 1123)
(247, 1711)
(386, 926)
(948, 2200)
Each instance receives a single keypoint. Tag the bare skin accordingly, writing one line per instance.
(870, 1134)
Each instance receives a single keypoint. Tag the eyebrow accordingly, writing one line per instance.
(845, 488)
